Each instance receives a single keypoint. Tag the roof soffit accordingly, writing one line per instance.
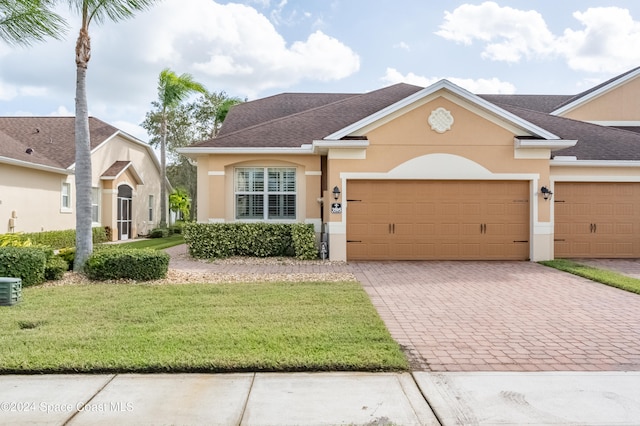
(456, 94)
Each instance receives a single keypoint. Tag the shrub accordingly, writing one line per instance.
(55, 268)
(159, 233)
(26, 263)
(68, 255)
(304, 241)
(66, 238)
(119, 263)
(14, 240)
(261, 239)
(216, 240)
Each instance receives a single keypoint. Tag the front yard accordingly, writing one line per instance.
(104, 327)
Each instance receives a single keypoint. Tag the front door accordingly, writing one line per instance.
(125, 195)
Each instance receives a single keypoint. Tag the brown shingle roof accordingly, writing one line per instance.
(51, 139)
(595, 142)
(308, 122)
(115, 169)
(542, 103)
(291, 120)
(249, 114)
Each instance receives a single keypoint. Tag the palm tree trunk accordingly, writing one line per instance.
(84, 241)
(163, 172)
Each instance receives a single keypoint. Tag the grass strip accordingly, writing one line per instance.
(155, 243)
(603, 276)
(108, 328)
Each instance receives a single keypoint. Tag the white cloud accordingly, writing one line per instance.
(607, 43)
(62, 111)
(231, 47)
(509, 35)
(7, 91)
(402, 45)
(481, 85)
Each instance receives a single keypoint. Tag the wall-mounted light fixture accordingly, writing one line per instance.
(546, 193)
(336, 193)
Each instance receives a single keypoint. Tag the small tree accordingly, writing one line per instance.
(180, 203)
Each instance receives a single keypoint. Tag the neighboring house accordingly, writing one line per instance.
(436, 172)
(37, 182)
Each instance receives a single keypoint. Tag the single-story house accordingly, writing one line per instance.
(37, 182)
(406, 172)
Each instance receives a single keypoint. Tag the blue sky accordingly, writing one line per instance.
(256, 48)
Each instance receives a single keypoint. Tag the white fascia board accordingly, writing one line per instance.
(553, 145)
(596, 93)
(341, 144)
(29, 165)
(629, 123)
(456, 90)
(303, 149)
(594, 163)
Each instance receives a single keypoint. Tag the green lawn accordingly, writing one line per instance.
(603, 276)
(155, 243)
(195, 328)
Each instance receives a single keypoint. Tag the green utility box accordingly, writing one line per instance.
(10, 291)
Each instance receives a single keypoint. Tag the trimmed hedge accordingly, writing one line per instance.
(61, 239)
(26, 263)
(219, 240)
(135, 264)
(55, 267)
(304, 241)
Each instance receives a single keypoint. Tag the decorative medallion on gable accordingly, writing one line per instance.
(441, 120)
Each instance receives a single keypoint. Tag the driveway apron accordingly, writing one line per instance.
(503, 316)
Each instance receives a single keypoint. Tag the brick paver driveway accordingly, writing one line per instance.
(503, 316)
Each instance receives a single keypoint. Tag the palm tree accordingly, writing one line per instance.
(98, 11)
(173, 89)
(24, 21)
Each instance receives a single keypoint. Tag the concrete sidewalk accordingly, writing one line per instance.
(323, 399)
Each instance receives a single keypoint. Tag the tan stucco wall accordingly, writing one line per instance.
(619, 104)
(216, 201)
(35, 197)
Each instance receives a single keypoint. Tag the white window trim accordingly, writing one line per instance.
(266, 193)
(63, 208)
(99, 204)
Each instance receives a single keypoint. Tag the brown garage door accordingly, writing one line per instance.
(600, 220)
(416, 220)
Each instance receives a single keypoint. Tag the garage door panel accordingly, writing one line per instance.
(624, 228)
(470, 250)
(443, 219)
(449, 209)
(597, 219)
(471, 209)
